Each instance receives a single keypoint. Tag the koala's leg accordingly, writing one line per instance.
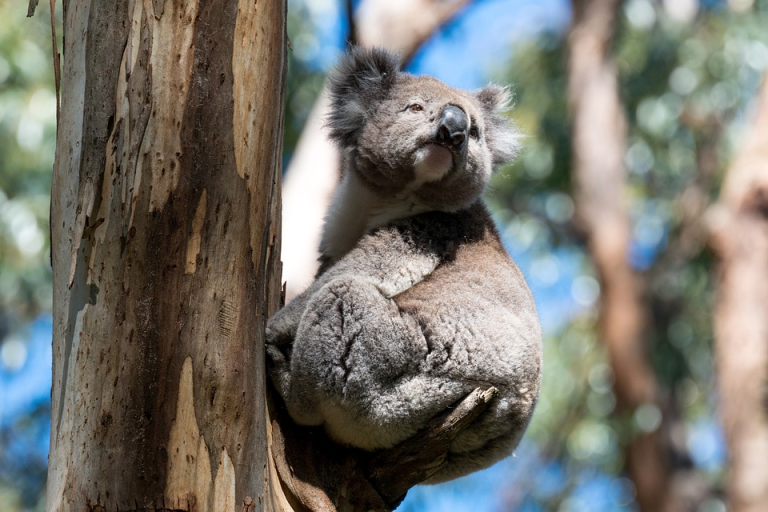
(357, 366)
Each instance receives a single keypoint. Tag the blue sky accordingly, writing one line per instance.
(25, 371)
(465, 53)
(469, 51)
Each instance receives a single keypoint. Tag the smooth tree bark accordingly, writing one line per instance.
(311, 177)
(165, 223)
(739, 236)
(599, 180)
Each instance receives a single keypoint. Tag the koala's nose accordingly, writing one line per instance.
(453, 126)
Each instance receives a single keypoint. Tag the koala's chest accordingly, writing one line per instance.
(475, 274)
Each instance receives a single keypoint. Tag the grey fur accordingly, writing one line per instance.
(417, 302)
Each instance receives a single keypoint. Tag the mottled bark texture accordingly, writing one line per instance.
(599, 180)
(165, 244)
(739, 224)
(400, 25)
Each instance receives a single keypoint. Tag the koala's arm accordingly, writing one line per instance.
(386, 262)
(388, 259)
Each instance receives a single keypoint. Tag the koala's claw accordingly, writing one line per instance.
(281, 329)
(279, 365)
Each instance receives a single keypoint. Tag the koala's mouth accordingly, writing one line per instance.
(433, 161)
(458, 152)
(446, 145)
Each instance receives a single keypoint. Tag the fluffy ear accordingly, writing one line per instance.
(363, 77)
(501, 135)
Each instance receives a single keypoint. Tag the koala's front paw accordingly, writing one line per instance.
(282, 327)
(280, 334)
(279, 367)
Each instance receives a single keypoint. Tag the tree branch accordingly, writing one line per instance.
(404, 26)
(738, 225)
(599, 177)
(326, 477)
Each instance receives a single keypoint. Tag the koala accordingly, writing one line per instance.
(416, 302)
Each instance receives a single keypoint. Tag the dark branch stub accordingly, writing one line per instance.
(31, 8)
(352, 35)
(392, 472)
(323, 476)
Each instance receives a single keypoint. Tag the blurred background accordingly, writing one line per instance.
(636, 116)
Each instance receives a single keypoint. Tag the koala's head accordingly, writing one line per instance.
(414, 133)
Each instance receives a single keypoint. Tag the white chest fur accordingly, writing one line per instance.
(355, 210)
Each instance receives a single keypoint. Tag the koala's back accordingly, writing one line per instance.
(481, 328)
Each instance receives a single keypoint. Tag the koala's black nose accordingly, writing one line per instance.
(453, 126)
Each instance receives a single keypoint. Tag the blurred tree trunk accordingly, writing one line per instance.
(165, 251)
(312, 175)
(599, 180)
(739, 225)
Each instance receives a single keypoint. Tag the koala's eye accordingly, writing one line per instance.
(473, 132)
(416, 107)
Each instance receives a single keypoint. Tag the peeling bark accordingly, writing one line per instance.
(739, 235)
(165, 223)
(599, 178)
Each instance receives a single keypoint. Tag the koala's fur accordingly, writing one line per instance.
(416, 303)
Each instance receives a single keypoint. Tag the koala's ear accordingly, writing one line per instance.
(363, 77)
(500, 133)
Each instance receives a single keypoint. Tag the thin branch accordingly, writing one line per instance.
(55, 48)
(56, 58)
(352, 35)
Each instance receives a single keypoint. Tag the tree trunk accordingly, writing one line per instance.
(740, 238)
(599, 178)
(165, 251)
(313, 172)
